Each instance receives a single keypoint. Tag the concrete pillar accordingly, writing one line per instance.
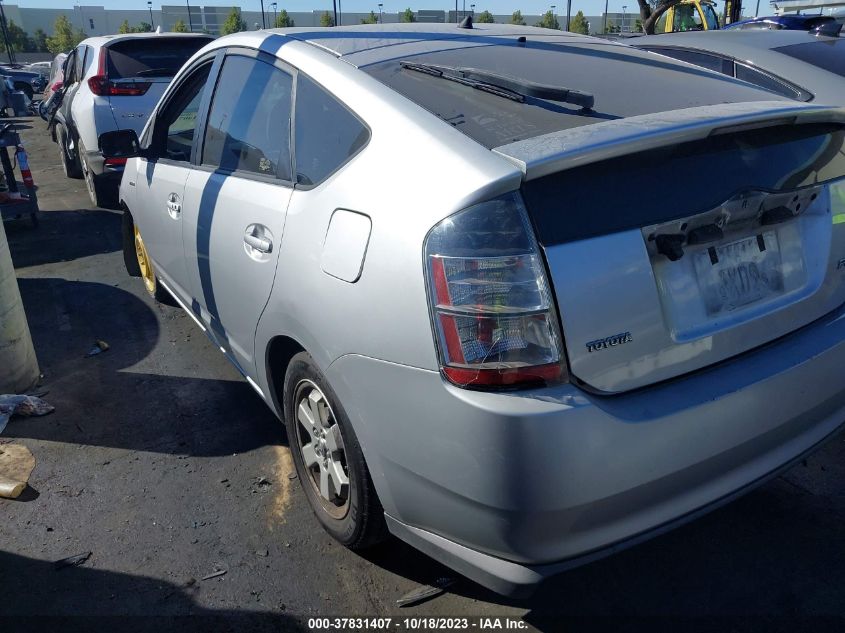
(18, 365)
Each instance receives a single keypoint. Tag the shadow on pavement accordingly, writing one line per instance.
(64, 236)
(124, 398)
(89, 599)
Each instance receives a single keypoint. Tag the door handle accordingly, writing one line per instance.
(174, 207)
(258, 243)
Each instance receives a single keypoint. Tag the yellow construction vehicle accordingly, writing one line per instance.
(689, 15)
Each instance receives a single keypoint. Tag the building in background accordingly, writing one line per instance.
(97, 20)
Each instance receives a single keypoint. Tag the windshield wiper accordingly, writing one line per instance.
(512, 88)
(156, 72)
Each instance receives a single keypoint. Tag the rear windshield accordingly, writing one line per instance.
(673, 182)
(624, 81)
(153, 57)
(826, 54)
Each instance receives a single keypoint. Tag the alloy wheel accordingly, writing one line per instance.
(320, 442)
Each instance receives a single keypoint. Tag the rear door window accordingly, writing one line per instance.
(249, 122)
(327, 133)
(151, 57)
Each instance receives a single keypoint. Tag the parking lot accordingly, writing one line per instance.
(165, 465)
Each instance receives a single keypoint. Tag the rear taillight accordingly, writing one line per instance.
(102, 87)
(492, 309)
(114, 162)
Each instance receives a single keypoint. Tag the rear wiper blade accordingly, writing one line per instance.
(506, 86)
(156, 72)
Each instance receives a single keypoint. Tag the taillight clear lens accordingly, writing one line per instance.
(492, 307)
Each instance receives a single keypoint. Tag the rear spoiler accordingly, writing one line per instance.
(830, 29)
(549, 153)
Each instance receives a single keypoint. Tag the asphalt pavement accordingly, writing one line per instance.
(162, 462)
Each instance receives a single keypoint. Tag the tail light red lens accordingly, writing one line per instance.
(492, 307)
(102, 87)
(114, 162)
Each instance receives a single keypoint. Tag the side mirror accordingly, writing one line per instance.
(119, 144)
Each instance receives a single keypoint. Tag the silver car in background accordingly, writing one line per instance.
(521, 297)
(793, 64)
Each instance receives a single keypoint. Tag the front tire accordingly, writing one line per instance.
(146, 270)
(328, 458)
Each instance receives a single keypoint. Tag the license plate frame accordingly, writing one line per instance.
(740, 273)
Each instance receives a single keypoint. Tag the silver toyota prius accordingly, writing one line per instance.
(521, 297)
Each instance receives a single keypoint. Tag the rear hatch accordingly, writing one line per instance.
(675, 241)
(139, 71)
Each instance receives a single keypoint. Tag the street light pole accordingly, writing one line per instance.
(150, 6)
(190, 21)
(568, 11)
(380, 5)
(275, 17)
(334, 9)
(552, 9)
(263, 20)
(6, 36)
(605, 16)
(622, 28)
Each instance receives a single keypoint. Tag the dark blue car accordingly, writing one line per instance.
(780, 22)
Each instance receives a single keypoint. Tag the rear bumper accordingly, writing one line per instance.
(509, 488)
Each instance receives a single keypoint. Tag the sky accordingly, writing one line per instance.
(589, 7)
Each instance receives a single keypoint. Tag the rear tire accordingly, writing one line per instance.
(70, 165)
(101, 192)
(353, 514)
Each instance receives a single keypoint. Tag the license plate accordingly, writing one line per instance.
(742, 272)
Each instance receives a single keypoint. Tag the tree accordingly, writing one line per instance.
(283, 20)
(407, 16)
(326, 19)
(485, 17)
(517, 18)
(234, 22)
(144, 27)
(651, 10)
(18, 39)
(370, 19)
(124, 27)
(578, 24)
(64, 37)
(180, 27)
(40, 41)
(549, 21)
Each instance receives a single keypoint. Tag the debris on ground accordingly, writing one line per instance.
(292, 476)
(263, 553)
(425, 592)
(99, 348)
(11, 404)
(16, 465)
(215, 574)
(71, 561)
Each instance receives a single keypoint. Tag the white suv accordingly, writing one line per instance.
(113, 82)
